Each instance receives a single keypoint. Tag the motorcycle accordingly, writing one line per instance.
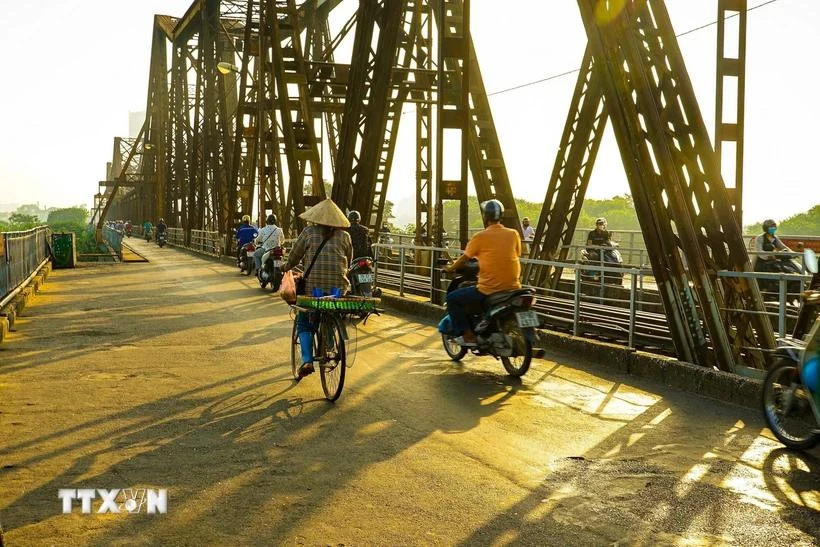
(162, 239)
(128, 231)
(147, 236)
(778, 264)
(244, 259)
(791, 389)
(361, 277)
(504, 325)
(271, 271)
(611, 258)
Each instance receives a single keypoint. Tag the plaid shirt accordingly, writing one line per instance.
(330, 269)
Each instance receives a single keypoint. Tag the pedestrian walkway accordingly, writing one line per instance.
(130, 255)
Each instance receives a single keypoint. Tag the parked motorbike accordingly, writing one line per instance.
(244, 259)
(791, 390)
(361, 277)
(162, 239)
(271, 271)
(611, 258)
(504, 325)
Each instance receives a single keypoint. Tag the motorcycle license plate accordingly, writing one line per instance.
(365, 278)
(527, 318)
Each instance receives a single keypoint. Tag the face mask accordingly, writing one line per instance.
(772, 230)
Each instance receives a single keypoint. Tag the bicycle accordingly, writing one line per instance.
(329, 337)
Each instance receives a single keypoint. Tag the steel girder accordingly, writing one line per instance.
(293, 102)
(568, 183)
(731, 71)
(453, 110)
(366, 107)
(682, 203)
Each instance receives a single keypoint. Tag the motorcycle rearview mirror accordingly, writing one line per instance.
(810, 260)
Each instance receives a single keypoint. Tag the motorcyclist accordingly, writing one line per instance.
(162, 228)
(244, 234)
(497, 250)
(326, 235)
(600, 236)
(270, 236)
(768, 242)
(146, 229)
(359, 236)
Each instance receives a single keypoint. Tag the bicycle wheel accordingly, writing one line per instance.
(295, 353)
(332, 359)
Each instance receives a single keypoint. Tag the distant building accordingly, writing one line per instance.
(135, 121)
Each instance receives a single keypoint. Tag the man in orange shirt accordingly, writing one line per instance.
(497, 249)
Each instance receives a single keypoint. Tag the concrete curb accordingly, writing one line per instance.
(668, 371)
(15, 308)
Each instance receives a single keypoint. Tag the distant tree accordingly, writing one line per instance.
(75, 215)
(20, 221)
(801, 224)
(33, 209)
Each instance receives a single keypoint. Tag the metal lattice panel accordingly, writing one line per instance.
(682, 203)
(580, 141)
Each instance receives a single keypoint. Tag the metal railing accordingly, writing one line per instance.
(201, 241)
(618, 303)
(786, 299)
(22, 254)
(113, 237)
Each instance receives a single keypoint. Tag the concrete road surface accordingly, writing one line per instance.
(175, 374)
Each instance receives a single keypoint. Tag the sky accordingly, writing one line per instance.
(83, 66)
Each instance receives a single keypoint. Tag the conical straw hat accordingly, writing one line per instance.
(326, 213)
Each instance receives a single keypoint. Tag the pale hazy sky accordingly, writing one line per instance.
(80, 67)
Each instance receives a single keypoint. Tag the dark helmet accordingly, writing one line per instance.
(492, 210)
(271, 219)
(354, 216)
(769, 223)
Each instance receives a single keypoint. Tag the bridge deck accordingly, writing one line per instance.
(175, 374)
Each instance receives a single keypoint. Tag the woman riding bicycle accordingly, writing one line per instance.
(326, 241)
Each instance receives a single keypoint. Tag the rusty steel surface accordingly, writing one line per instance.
(682, 204)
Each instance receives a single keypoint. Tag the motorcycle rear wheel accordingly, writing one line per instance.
(455, 351)
(786, 407)
(517, 365)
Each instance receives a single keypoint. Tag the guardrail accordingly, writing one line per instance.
(201, 241)
(22, 254)
(588, 301)
(113, 237)
(616, 302)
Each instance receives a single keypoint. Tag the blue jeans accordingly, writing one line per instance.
(305, 327)
(457, 302)
(257, 258)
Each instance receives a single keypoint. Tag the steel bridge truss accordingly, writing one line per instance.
(633, 73)
(216, 141)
